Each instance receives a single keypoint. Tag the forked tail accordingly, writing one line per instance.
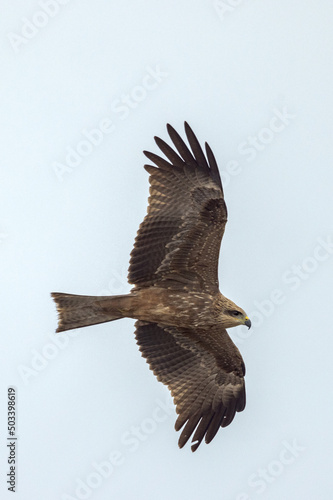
(76, 311)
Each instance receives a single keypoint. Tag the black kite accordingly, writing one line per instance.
(181, 315)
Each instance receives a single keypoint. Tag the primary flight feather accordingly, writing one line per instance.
(181, 315)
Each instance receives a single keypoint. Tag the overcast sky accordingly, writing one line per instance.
(84, 88)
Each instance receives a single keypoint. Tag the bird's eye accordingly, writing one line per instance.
(235, 313)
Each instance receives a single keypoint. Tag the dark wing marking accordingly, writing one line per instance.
(178, 243)
(204, 372)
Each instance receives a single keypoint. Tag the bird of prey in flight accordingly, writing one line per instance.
(181, 315)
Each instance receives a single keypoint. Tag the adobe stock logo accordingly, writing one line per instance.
(101, 470)
(223, 7)
(278, 122)
(40, 359)
(74, 156)
(255, 144)
(292, 278)
(121, 109)
(260, 480)
(31, 27)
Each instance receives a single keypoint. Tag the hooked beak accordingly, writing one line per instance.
(247, 322)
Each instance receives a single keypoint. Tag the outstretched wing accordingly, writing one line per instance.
(178, 243)
(204, 372)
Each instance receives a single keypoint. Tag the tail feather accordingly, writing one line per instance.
(76, 311)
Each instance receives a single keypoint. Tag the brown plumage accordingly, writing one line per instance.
(181, 315)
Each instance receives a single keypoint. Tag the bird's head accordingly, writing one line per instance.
(233, 315)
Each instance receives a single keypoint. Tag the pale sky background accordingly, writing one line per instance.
(255, 80)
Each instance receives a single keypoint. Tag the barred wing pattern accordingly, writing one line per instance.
(178, 243)
(204, 372)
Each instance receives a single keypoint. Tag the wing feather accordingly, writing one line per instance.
(204, 372)
(172, 156)
(196, 148)
(213, 166)
(181, 147)
(178, 243)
